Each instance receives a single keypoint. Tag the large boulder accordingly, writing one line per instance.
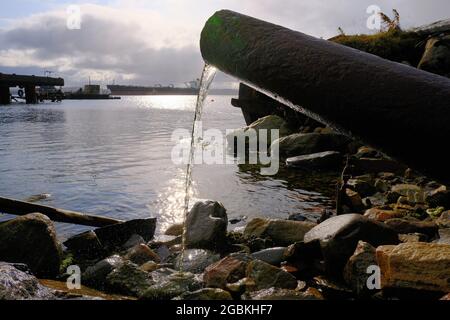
(281, 232)
(19, 285)
(436, 58)
(117, 235)
(271, 122)
(302, 144)
(31, 239)
(418, 265)
(206, 226)
(339, 237)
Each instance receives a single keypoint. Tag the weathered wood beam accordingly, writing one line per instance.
(398, 109)
(20, 208)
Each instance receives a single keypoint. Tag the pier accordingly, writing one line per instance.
(29, 83)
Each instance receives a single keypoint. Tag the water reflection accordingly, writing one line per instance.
(113, 158)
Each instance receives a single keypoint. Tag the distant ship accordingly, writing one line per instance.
(192, 88)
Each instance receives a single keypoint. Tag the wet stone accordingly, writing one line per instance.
(195, 260)
(273, 256)
(206, 295)
(128, 279)
(267, 276)
(172, 286)
(339, 237)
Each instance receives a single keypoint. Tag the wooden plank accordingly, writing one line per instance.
(20, 208)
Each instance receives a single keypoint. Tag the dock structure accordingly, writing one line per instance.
(29, 83)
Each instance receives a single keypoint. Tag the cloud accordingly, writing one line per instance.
(148, 42)
(107, 46)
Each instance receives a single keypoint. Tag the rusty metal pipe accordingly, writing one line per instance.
(398, 109)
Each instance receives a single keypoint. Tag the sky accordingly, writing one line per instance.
(157, 41)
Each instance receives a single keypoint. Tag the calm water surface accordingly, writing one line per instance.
(113, 158)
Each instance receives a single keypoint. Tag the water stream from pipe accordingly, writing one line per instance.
(206, 80)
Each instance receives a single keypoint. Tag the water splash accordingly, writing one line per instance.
(207, 78)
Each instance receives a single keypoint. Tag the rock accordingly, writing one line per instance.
(355, 271)
(196, 260)
(172, 286)
(281, 232)
(446, 297)
(367, 152)
(439, 198)
(206, 225)
(95, 276)
(436, 58)
(31, 239)
(228, 270)
(271, 122)
(332, 289)
(19, 285)
(406, 190)
(355, 200)
(420, 266)
(118, 234)
(141, 254)
(274, 294)
(321, 160)
(267, 276)
(381, 215)
(134, 240)
(378, 200)
(206, 295)
(273, 256)
(149, 266)
(409, 226)
(368, 165)
(444, 236)
(302, 252)
(362, 187)
(175, 230)
(86, 244)
(381, 185)
(302, 144)
(297, 217)
(128, 279)
(240, 287)
(413, 237)
(339, 236)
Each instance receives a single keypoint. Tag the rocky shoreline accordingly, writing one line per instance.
(392, 221)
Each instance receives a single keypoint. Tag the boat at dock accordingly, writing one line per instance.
(90, 92)
(191, 88)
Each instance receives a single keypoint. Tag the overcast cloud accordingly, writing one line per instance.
(149, 42)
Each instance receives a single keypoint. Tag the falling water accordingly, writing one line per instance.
(207, 78)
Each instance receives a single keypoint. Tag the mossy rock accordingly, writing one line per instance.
(394, 45)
